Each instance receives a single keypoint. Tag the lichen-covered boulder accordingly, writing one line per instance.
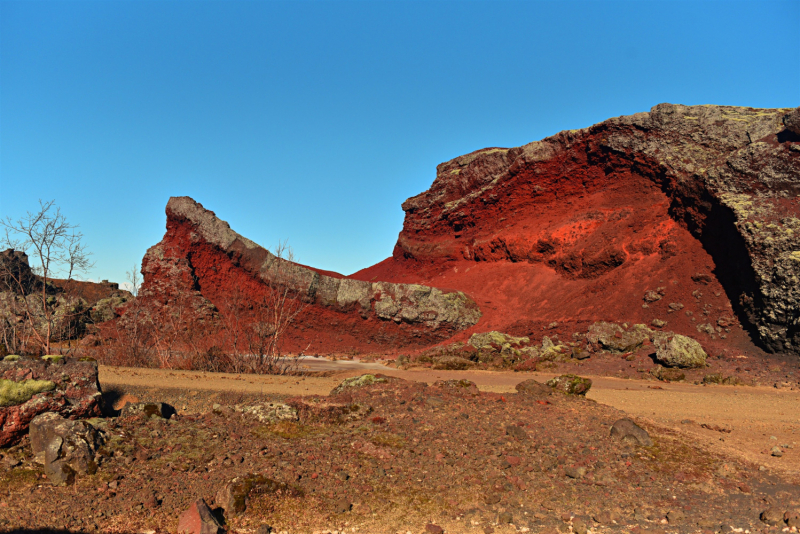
(357, 382)
(497, 339)
(270, 412)
(613, 338)
(570, 384)
(64, 447)
(675, 350)
(29, 387)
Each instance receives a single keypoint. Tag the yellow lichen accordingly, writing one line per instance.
(15, 393)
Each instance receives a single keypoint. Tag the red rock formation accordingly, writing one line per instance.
(685, 214)
(202, 262)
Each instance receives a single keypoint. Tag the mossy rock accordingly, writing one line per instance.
(675, 350)
(490, 339)
(87, 359)
(12, 358)
(16, 393)
(570, 384)
(53, 358)
(357, 382)
(715, 378)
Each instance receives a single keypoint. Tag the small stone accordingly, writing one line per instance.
(505, 517)
(492, 498)
(792, 518)
(579, 527)
(675, 516)
(264, 529)
(771, 516)
(516, 432)
(343, 505)
(776, 451)
(575, 472)
(534, 389)
(430, 528)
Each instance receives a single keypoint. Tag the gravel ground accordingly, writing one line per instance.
(400, 456)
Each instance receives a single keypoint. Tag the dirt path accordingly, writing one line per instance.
(745, 421)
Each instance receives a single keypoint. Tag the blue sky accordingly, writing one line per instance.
(313, 121)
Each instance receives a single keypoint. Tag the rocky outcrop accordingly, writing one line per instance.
(31, 387)
(698, 204)
(203, 261)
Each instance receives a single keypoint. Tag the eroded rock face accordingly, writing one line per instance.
(202, 261)
(682, 198)
(31, 387)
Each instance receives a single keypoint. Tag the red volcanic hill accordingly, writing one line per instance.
(687, 214)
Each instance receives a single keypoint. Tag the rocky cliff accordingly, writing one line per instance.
(203, 260)
(685, 214)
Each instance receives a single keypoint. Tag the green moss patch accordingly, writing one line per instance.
(15, 393)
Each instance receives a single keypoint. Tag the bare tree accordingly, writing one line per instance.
(56, 247)
(134, 279)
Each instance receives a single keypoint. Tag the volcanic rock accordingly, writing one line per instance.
(626, 429)
(570, 384)
(199, 519)
(679, 351)
(29, 387)
(203, 265)
(534, 389)
(583, 223)
(63, 446)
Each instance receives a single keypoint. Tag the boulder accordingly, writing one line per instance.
(570, 384)
(674, 350)
(358, 382)
(63, 446)
(626, 430)
(199, 519)
(613, 338)
(534, 390)
(792, 121)
(29, 387)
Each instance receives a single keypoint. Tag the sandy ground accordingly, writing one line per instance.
(740, 420)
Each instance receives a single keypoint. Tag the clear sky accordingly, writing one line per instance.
(313, 121)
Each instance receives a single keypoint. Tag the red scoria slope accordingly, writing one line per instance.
(683, 214)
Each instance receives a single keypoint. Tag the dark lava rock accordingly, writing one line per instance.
(64, 447)
(535, 390)
(627, 430)
(31, 387)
